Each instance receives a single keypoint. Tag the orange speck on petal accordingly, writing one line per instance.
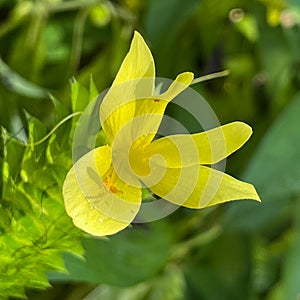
(110, 186)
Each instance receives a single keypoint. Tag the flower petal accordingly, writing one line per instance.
(197, 186)
(98, 201)
(207, 147)
(181, 82)
(135, 79)
(138, 62)
(150, 111)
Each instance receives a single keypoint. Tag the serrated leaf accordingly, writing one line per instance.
(1, 159)
(80, 96)
(7, 291)
(36, 128)
(15, 157)
(34, 228)
(93, 90)
(60, 109)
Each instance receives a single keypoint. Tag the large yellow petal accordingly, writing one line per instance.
(197, 186)
(135, 79)
(98, 201)
(207, 147)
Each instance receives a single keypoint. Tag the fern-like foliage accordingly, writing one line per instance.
(34, 227)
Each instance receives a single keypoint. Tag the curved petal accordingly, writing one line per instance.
(150, 111)
(98, 201)
(135, 79)
(197, 186)
(181, 82)
(207, 147)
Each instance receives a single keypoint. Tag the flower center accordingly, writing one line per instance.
(137, 159)
(110, 186)
(109, 181)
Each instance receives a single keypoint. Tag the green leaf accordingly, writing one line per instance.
(1, 159)
(124, 259)
(291, 272)
(14, 82)
(16, 153)
(163, 22)
(158, 30)
(279, 74)
(93, 90)
(60, 109)
(275, 172)
(7, 291)
(80, 96)
(34, 227)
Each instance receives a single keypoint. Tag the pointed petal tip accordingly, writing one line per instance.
(253, 195)
(257, 198)
(138, 38)
(137, 35)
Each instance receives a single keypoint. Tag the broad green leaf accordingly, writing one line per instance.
(158, 30)
(162, 31)
(275, 171)
(124, 259)
(279, 73)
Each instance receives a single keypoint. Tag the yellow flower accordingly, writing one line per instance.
(103, 190)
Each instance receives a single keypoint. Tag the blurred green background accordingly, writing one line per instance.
(240, 250)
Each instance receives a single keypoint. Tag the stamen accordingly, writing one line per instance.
(108, 182)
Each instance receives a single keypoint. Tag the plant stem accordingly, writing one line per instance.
(211, 76)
